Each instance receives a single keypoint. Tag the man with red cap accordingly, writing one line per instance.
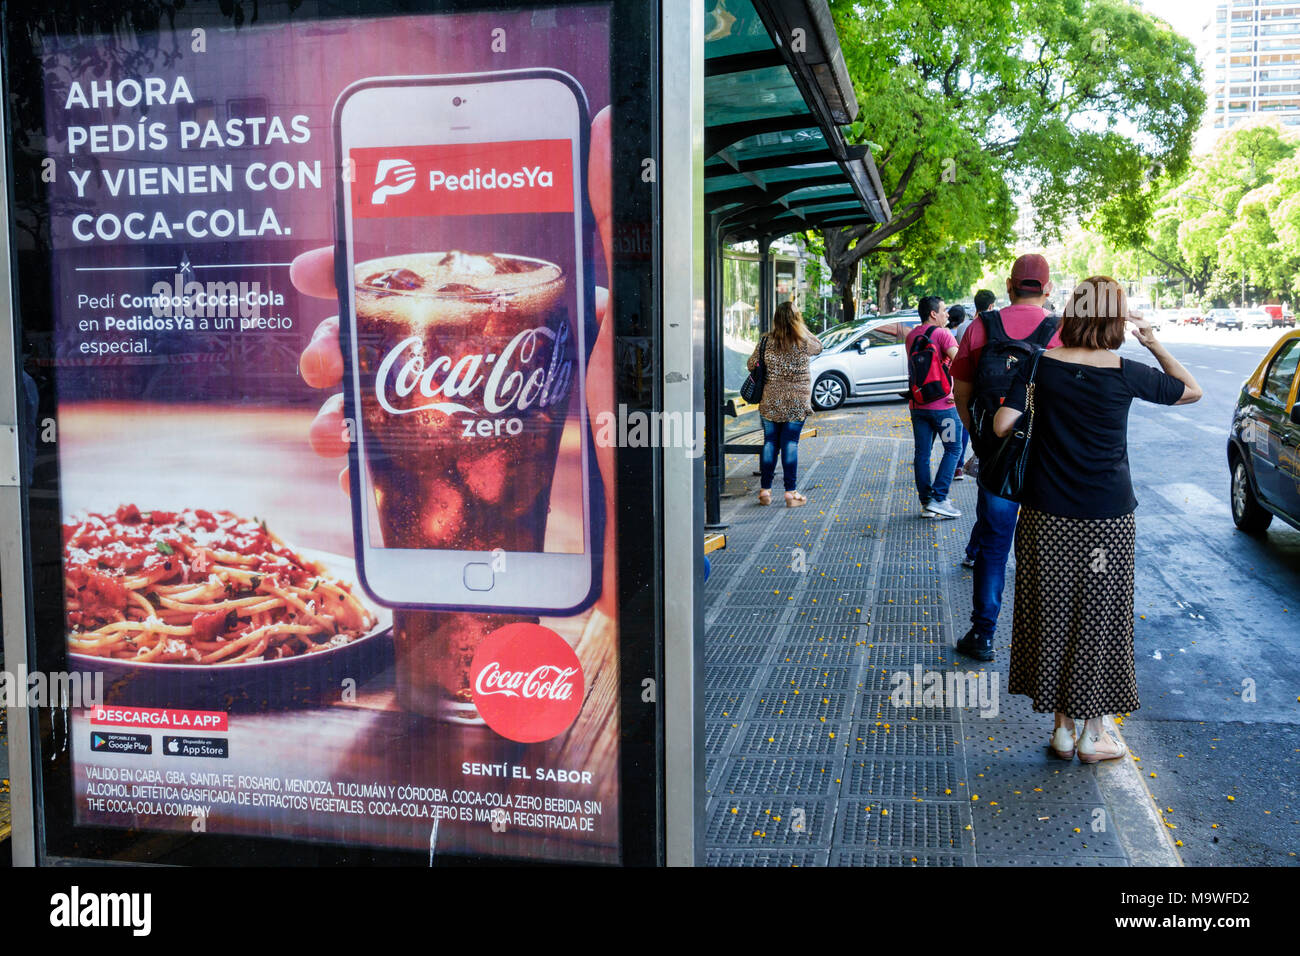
(1024, 319)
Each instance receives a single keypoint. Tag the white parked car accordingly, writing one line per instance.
(862, 358)
(1255, 319)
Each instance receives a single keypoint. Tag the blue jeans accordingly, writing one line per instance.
(995, 530)
(926, 424)
(965, 441)
(782, 437)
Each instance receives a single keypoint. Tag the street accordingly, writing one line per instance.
(1218, 634)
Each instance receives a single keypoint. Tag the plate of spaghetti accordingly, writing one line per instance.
(202, 590)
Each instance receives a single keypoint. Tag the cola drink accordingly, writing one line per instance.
(466, 364)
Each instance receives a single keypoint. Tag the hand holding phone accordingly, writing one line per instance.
(324, 364)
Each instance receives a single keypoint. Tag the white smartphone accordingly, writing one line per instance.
(465, 283)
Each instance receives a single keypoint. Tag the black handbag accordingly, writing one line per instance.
(1002, 468)
(752, 389)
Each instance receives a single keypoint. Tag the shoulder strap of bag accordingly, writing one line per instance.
(993, 328)
(1046, 329)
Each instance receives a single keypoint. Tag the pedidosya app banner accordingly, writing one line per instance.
(222, 460)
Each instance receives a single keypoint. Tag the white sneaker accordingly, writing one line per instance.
(944, 509)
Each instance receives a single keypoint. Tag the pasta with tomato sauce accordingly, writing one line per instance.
(198, 587)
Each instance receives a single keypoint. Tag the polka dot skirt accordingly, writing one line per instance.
(1072, 631)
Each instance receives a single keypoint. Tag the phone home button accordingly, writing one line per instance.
(479, 576)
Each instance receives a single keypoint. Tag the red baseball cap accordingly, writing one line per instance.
(1030, 273)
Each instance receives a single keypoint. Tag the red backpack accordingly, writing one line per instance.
(928, 378)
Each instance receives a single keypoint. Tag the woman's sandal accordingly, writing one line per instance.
(1089, 752)
(795, 500)
(1063, 744)
(765, 497)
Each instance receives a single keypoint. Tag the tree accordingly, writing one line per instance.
(966, 102)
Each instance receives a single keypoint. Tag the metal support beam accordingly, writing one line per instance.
(718, 138)
(681, 134)
(766, 287)
(715, 422)
(781, 161)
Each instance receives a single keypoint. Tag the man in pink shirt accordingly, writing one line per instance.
(995, 517)
(936, 417)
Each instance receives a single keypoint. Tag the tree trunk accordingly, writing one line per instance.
(884, 292)
(848, 305)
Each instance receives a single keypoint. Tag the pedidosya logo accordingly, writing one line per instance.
(528, 683)
(393, 177)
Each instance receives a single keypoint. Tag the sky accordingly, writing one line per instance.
(1185, 16)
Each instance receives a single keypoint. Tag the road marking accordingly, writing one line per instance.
(1212, 430)
(1192, 499)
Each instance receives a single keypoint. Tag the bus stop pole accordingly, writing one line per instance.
(715, 422)
(765, 284)
(683, 306)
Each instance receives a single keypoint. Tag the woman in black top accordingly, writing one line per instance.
(1072, 633)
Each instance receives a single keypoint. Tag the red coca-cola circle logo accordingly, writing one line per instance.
(527, 682)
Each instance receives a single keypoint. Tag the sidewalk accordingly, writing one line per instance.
(810, 761)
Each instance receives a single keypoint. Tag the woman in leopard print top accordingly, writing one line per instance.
(787, 399)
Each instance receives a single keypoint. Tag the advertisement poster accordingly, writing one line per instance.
(340, 559)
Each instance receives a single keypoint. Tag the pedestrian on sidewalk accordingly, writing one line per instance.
(1072, 628)
(984, 301)
(786, 401)
(930, 351)
(957, 326)
(1024, 320)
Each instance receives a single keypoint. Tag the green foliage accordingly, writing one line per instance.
(974, 103)
(1232, 219)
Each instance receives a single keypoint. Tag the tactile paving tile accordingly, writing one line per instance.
(716, 652)
(909, 597)
(761, 597)
(909, 738)
(783, 703)
(1016, 830)
(901, 779)
(824, 653)
(718, 736)
(927, 633)
(791, 737)
(715, 857)
(725, 705)
(1009, 740)
(1033, 780)
(931, 825)
(1079, 860)
(718, 677)
(894, 710)
(808, 680)
(829, 615)
(747, 615)
(756, 775)
(931, 657)
(823, 634)
(755, 634)
(909, 858)
(759, 823)
(906, 614)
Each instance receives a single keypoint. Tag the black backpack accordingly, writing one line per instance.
(1000, 360)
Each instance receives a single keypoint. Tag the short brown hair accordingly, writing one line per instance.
(1095, 314)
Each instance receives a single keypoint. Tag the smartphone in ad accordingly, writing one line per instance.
(466, 292)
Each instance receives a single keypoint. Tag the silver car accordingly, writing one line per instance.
(860, 359)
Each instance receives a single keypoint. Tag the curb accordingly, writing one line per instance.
(1138, 825)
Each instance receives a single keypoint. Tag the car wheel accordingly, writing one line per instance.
(829, 392)
(1247, 513)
